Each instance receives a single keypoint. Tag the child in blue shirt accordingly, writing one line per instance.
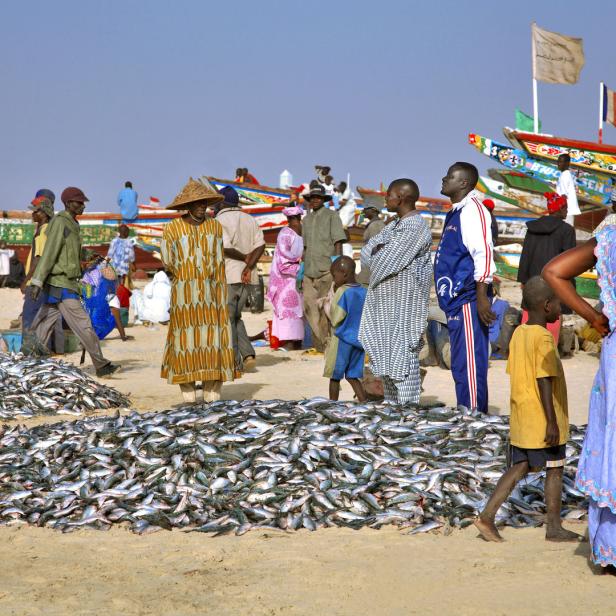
(345, 355)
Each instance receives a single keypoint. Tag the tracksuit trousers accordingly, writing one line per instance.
(470, 345)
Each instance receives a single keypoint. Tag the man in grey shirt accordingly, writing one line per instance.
(323, 238)
(375, 225)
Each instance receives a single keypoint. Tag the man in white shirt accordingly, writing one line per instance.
(566, 186)
(243, 245)
(5, 262)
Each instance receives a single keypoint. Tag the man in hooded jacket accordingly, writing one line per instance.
(546, 238)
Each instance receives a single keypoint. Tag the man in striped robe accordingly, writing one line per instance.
(396, 307)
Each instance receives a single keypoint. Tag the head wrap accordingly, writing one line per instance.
(555, 202)
(292, 211)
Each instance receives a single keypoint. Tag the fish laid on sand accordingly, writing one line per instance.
(235, 466)
(31, 387)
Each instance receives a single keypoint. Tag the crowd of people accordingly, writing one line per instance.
(379, 316)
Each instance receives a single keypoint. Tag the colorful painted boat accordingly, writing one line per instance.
(593, 189)
(265, 204)
(511, 222)
(590, 156)
(508, 262)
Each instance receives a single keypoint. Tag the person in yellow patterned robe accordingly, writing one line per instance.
(199, 345)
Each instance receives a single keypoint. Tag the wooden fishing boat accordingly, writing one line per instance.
(511, 221)
(507, 261)
(265, 204)
(594, 189)
(599, 158)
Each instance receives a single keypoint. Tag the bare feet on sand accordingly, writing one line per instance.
(488, 530)
(561, 534)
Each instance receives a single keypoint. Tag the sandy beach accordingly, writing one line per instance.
(334, 571)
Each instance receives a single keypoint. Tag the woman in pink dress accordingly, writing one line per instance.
(287, 301)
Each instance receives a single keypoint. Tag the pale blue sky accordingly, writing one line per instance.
(94, 93)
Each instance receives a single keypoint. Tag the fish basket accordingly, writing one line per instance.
(13, 340)
(71, 342)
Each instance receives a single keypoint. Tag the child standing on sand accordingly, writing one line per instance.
(345, 355)
(539, 423)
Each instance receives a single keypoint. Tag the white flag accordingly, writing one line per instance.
(556, 58)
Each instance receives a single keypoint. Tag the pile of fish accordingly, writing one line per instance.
(233, 466)
(30, 386)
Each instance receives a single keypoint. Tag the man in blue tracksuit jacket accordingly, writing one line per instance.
(463, 271)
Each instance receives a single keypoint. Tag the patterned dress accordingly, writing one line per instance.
(288, 322)
(596, 475)
(198, 344)
(396, 308)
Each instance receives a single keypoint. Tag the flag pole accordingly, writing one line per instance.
(535, 97)
(601, 86)
(535, 106)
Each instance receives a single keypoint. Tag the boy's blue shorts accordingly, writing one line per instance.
(349, 362)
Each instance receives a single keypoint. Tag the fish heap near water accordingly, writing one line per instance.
(234, 466)
(30, 386)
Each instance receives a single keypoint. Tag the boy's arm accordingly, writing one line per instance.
(552, 435)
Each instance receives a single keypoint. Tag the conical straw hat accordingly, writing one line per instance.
(195, 190)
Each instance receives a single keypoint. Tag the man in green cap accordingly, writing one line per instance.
(58, 272)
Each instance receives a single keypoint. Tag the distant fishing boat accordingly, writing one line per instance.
(594, 189)
(586, 155)
(265, 204)
(510, 219)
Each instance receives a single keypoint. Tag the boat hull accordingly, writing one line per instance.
(507, 265)
(593, 189)
(585, 155)
(511, 223)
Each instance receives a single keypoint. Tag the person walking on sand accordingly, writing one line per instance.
(286, 300)
(596, 476)
(344, 358)
(121, 253)
(539, 423)
(42, 213)
(58, 275)
(199, 342)
(463, 271)
(243, 246)
(396, 308)
(323, 238)
(375, 225)
(127, 202)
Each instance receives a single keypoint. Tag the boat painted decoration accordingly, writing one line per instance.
(586, 155)
(593, 188)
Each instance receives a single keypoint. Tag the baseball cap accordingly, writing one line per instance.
(73, 194)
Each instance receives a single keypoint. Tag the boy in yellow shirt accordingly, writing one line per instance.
(539, 423)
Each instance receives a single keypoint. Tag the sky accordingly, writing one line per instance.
(93, 93)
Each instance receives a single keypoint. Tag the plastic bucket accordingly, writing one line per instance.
(13, 340)
(274, 342)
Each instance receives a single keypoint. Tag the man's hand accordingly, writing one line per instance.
(484, 310)
(377, 248)
(552, 435)
(246, 275)
(34, 292)
(601, 324)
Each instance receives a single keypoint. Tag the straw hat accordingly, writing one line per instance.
(195, 190)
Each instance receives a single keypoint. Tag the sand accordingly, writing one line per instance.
(333, 571)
